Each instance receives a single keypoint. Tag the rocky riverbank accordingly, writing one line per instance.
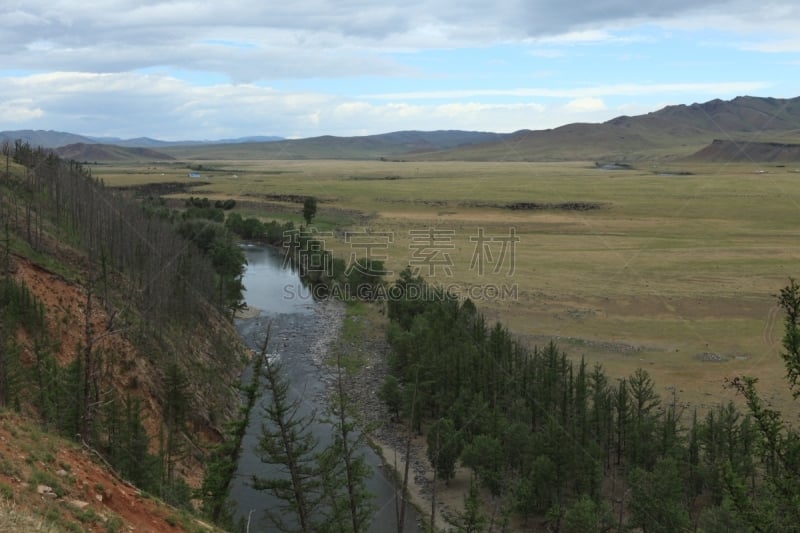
(371, 349)
(304, 335)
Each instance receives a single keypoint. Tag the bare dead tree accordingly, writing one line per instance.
(91, 395)
(5, 149)
(401, 500)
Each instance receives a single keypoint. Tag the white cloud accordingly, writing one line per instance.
(21, 110)
(168, 108)
(622, 89)
(783, 46)
(194, 34)
(587, 104)
(578, 37)
(131, 104)
(402, 115)
(336, 62)
(547, 53)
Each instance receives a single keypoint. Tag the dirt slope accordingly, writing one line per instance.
(50, 484)
(29, 456)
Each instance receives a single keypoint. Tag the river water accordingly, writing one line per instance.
(299, 330)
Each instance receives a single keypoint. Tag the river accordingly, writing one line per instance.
(300, 332)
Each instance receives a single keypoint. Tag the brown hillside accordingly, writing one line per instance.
(83, 349)
(49, 484)
(133, 373)
(107, 152)
(672, 132)
(65, 313)
(724, 151)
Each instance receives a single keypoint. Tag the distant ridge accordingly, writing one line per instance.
(106, 152)
(674, 132)
(147, 142)
(45, 139)
(58, 139)
(393, 145)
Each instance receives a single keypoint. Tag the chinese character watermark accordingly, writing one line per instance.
(494, 251)
(306, 250)
(365, 252)
(429, 249)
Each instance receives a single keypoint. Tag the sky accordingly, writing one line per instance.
(192, 69)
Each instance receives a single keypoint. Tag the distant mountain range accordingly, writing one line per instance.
(147, 142)
(395, 145)
(57, 139)
(674, 132)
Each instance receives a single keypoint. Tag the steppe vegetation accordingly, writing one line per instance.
(666, 275)
(610, 351)
(668, 266)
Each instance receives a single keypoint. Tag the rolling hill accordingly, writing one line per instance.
(107, 152)
(147, 142)
(45, 139)
(394, 145)
(389, 145)
(673, 132)
(58, 139)
(732, 151)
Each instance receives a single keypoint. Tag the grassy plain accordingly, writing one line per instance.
(676, 270)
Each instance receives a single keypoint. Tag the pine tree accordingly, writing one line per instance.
(587, 516)
(695, 476)
(221, 465)
(472, 518)
(601, 412)
(46, 379)
(136, 463)
(622, 408)
(391, 394)
(776, 505)
(344, 468)
(485, 456)
(309, 209)
(789, 300)
(444, 447)
(644, 419)
(175, 412)
(658, 499)
(287, 442)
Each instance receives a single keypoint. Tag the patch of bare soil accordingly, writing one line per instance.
(132, 372)
(65, 313)
(49, 484)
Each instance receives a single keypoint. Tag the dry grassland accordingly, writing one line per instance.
(672, 271)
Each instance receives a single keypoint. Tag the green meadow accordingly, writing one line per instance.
(669, 266)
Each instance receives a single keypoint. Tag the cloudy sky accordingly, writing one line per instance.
(195, 69)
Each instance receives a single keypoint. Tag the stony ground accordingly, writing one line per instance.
(371, 350)
(49, 484)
